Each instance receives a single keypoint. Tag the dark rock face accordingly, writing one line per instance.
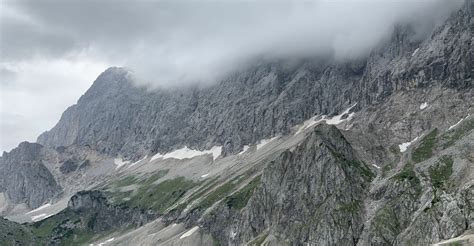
(115, 117)
(107, 216)
(68, 166)
(12, 233)
(24, 178)
(311, 195)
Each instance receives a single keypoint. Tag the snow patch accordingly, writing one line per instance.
(40, 208)
(264, 142)
(135, 163)
(423, 106)
(216, 151)
(105, 242)
(157, 156)
(404, 146)
(309, 123)
(246, 147)
(459, 240)
(119, 162)
(205, 175)
(335, 120)
(190, 232)
(40, 217)
(414, 52)
(376, 166)
(187, 153)
(459, 122)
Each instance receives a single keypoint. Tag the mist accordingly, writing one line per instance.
(168, 43)
(52, 47)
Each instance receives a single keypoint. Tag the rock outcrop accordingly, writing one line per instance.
(24, 177)
(107, 216)
(313, 194)
(116, 117)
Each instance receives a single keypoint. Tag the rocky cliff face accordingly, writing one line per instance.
(115, 117)
(313, 194)
(25, 179)
(107, 216)
(14, 234)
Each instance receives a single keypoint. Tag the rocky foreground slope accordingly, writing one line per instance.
(377, 151)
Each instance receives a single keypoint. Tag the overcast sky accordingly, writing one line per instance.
(52, 50)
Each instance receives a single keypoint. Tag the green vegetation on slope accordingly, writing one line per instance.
(223, 191)
(425, 149)
(386, 224)
(441, 172)
(12, 233)
(351, 207)
(239, 199)
(67, 228)
(450, 137)
(149, 194)
(259, 239)
(408, 174)
(219, 193)
(359, 165)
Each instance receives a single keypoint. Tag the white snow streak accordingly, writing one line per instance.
(190, 232)
(459, 122)
(205, 175)
(376, 166)
(414, 52)
(40, 208)
(264, 142)
(40, 217)
(187, 153)
(246, 147)
(423, 106)
(135, 163)
(404, 146)
(157, 156)
(119, 162)
(335, 120)
(105, 242)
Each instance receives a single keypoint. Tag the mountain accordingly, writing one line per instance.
(118, 118)
(373, 151)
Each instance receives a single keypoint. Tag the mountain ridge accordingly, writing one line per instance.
(395, 161)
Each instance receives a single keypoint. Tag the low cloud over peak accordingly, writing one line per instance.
(61, 46)
(171, 42)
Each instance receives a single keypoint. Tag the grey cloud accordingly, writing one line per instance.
(172, 42)
(57, 47)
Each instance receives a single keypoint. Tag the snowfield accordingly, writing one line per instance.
(190, 232)
(335, 120)
(459, 122)
(187, 153)
(246, 147)
(39, 208)
(105, 242)
(423, 106)
(404, 146)
(40, 217)
(119, 162)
